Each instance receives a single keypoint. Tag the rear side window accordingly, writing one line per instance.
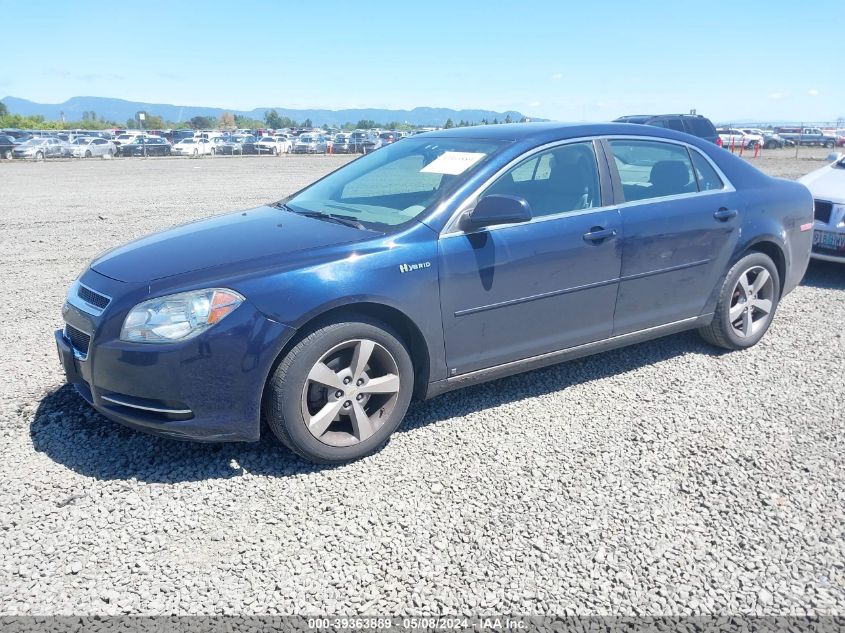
(652, 169)
(700, 127)
(708, 179)
(675, 124)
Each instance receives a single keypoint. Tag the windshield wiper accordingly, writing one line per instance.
(321, 215)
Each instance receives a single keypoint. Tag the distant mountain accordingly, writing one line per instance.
(119, 110)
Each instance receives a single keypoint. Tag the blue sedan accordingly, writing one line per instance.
(448, 259)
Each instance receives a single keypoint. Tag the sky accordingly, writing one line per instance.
(762, 60)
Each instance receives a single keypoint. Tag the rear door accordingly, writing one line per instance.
(515, 291)
(680, 224)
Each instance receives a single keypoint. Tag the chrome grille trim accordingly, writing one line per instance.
(79, 341)
(77, 294)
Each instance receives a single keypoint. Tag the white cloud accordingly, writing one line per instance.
(777, 96)
(557, 76)
(534, 104)
(813, 92)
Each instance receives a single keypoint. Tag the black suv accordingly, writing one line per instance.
(694, 124)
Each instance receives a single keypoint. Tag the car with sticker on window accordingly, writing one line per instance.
(452, 258)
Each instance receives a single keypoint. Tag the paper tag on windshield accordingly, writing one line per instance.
(452, 163)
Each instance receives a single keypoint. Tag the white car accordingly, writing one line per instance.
(273, 145)
(732, 137)
(828, 188)
(88, 146)
(126, 137)
(194, 147)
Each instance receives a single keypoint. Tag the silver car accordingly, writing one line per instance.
(828, 188)
(310, 144)
(38, 148)
(87, 146)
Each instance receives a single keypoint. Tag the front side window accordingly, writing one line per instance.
(675, 124)
(652, 169)
(558, 180)
(396, 184)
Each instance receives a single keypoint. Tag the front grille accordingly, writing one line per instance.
(94, 298)
(822, 210)
(78, 339)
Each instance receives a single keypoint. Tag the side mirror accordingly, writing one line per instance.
(497, 209)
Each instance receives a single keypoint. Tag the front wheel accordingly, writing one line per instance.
(88, 153)
(340, 392)
(746, 305)
(196, 153)
(39, 156)
(7, 154)
(830, 144)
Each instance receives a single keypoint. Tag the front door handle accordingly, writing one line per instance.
(598, 234)
(724, 214)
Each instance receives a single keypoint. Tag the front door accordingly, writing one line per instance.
(515, 291)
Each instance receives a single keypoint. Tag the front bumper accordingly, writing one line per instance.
(208, 388)
(829, 237)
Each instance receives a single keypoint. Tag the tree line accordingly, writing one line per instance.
(226, 121)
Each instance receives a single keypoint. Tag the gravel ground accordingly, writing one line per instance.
(665, 478)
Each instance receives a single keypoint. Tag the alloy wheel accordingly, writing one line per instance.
(751, 302)
(350, 392)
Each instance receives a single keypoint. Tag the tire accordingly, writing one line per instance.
(196, 153)
(7, 154)
(213, 151)
(341, 434)
(111, 153)
(769, 145)
(830, 144)
(39, 156)
(88, 153)
(745, 329)
(275, 151)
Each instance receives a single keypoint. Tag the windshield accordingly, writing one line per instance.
(82, 141)
(397, 183)
(187, 141)
(306, 139)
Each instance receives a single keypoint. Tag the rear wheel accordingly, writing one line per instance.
(340, 392)
(830, 144)
(87, 153)
(747, 303)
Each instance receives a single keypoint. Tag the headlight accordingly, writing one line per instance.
(178, 317)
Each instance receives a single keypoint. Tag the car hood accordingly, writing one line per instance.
(827, 183)
(221, 241)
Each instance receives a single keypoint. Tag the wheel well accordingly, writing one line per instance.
(404, 327)
(776, 255)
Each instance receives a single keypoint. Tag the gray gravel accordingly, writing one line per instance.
(665, 478)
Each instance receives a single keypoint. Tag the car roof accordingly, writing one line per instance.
(548, 132)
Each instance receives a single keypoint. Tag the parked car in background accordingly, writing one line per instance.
(807, 136)
(733, 137)
(389, 137)
(341, 144)
(146, 146)
(193, 147)
(87, 147)
(359, 139)
(126, 137)
(310, 144)
(487, 251)
(694, 124)
(39, 148)
(274, 145)
(827, 185)
(234, 144)
(7, 144)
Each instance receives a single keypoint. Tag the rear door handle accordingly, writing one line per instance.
(725, 214)
(598, 234)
